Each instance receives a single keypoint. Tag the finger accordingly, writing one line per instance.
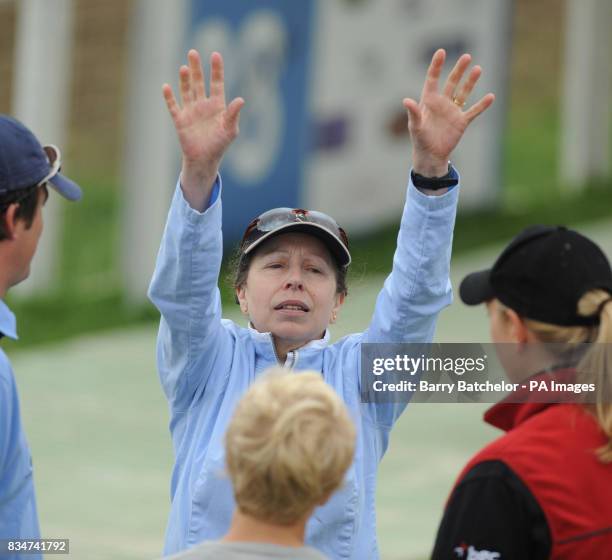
(197, 75)
(468, 85)
(479, 107)
(171, 103)
(232, 116)
(414, 113)
(456, 74)
(185, 85)
(217, 87)
(433, 72)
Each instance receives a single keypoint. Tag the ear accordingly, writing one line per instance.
(518, 329)
(242, 301)
(11, 222)
(339, 301)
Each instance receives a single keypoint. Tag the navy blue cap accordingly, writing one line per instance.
(25, 163)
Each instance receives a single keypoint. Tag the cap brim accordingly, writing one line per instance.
(67, 188)
(332, 242)
(476, 288)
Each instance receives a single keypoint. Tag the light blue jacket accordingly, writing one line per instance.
(206, 364)
(18, 515)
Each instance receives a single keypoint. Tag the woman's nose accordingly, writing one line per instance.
(294, 279)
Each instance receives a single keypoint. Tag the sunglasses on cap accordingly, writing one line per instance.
(297, 219)
(55, 161)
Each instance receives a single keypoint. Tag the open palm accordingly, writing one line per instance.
(205, 125)
(437, 122)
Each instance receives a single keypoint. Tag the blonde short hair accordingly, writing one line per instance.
(288, 446)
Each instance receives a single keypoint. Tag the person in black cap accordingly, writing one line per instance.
(26, 170)
(544, 489)
(290, 283)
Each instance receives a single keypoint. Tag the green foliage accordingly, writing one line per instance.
(374, 253)
(88, 296)
(61, 316)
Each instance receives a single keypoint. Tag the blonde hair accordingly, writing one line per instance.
(288, 446)
(596, 365)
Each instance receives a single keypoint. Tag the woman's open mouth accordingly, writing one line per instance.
(292, 307)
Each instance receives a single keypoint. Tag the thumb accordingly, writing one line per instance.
(232, 116)
(414, 113)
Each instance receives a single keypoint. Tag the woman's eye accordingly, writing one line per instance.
(274, 265)
(315, 270)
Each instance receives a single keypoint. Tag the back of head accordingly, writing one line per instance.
(288, 446)
(596, 366)
(27, 201)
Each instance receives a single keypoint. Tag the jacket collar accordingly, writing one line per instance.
(8, 323)
(266, 338)
(521, 405)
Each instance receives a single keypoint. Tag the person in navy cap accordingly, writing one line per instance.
(27, 169)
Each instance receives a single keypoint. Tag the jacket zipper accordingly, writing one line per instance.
(291, 360)
(294, 359)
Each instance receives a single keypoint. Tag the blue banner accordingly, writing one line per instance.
(266, 46)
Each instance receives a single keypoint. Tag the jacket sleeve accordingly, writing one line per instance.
(18, 515)
(6, 415)
(492, 510)
(418, 287)
(192, 342)
(9, 421)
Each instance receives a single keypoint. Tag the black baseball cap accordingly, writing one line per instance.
(542, 274)
(25, 163)
(285, 220)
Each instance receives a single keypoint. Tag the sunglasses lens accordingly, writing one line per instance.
(275, 218)
(278, 217)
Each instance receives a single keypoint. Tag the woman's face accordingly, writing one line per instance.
(290, 289)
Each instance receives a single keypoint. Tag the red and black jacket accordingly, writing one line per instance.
(537, 492)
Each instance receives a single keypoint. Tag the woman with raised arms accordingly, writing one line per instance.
(291, 283)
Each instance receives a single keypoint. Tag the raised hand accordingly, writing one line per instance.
(437, 122)
(204, 124)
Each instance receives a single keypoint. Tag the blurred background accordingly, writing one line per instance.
(323, 128)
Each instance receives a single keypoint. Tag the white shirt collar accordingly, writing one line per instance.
(8, 323)
(317, 344)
